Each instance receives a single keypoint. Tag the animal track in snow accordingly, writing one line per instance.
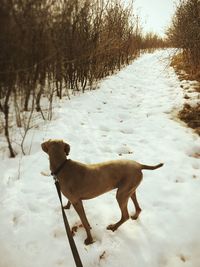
(127, 131)
(183, 258)
(104, 128)
(17, 217)
(124, 150)
(106, 149)
(57, 233)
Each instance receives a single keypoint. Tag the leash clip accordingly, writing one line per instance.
(55, 177)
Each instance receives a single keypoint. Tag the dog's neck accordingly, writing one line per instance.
(56, 158)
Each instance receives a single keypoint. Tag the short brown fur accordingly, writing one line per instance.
(80, 181)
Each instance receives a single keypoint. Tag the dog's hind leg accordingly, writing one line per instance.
(122, 199)
(137, 207)
(80, 210)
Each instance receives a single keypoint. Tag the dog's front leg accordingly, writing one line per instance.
(80, 210)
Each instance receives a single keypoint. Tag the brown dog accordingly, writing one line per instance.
(80, 181)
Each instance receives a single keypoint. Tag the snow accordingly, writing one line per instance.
(132, 115)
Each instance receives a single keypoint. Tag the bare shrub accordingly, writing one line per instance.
(184, 31)
(49, 47)
(152, 41)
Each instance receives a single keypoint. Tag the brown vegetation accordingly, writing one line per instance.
(189, 114)
(184, 69)
(153, 41)
(53, 48)
(50, 47)
(184, 33)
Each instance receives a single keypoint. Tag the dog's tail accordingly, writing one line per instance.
(147, 167)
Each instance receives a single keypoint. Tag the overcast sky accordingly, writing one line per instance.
(155, 14)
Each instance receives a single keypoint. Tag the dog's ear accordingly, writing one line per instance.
(45, 147)
(66, 148)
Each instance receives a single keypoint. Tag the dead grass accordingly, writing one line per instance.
(184, 69)
(189, 114)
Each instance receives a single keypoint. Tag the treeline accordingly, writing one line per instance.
(152, 41)
(49, 47)
(185, 31)
(53, 48)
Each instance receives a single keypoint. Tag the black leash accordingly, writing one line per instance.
(67, 227)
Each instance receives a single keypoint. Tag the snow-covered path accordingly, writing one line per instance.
(130, 116)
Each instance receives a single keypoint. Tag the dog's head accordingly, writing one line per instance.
(54, 143)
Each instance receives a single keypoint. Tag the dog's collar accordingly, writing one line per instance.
(56, 172)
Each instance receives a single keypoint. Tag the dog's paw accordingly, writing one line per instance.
(88, 241)
(67, 207)
(112, 227)
(136, 215)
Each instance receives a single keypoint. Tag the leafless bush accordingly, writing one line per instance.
(49, 47)
(151, 41)
(184, 31)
